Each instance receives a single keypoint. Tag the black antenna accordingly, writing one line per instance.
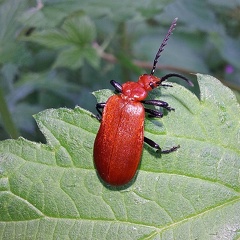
(164, 43)
(178, 76)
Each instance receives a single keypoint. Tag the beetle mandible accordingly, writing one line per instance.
(119, 141)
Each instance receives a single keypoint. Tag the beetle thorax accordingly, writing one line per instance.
(133, 91)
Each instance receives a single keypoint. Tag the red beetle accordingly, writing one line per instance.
(119, 142)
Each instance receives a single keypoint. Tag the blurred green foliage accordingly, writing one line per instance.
(54, 53)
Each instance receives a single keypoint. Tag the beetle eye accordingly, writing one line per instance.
(151, 84)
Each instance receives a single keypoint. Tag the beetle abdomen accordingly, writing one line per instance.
(119, 142)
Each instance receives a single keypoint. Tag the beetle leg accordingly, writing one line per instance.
(151, 143)
(172, 149)
(98, 107)
(153, 113)
(166, 85)
(158, 103)
(117, 86)
(155, 145)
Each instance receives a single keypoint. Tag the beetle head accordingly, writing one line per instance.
(149, 82)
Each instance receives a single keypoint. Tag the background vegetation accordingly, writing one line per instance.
(54, 53)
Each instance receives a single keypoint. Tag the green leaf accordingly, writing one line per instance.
(74, 40)
(77, 30)
(11, 51)
(52, 191)
(194, 17)
(74, 57)
(70, 57)
(49, 38)
(46, 16)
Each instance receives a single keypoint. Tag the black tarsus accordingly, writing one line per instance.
(164, 43)
(156, 146)
(172, 149)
